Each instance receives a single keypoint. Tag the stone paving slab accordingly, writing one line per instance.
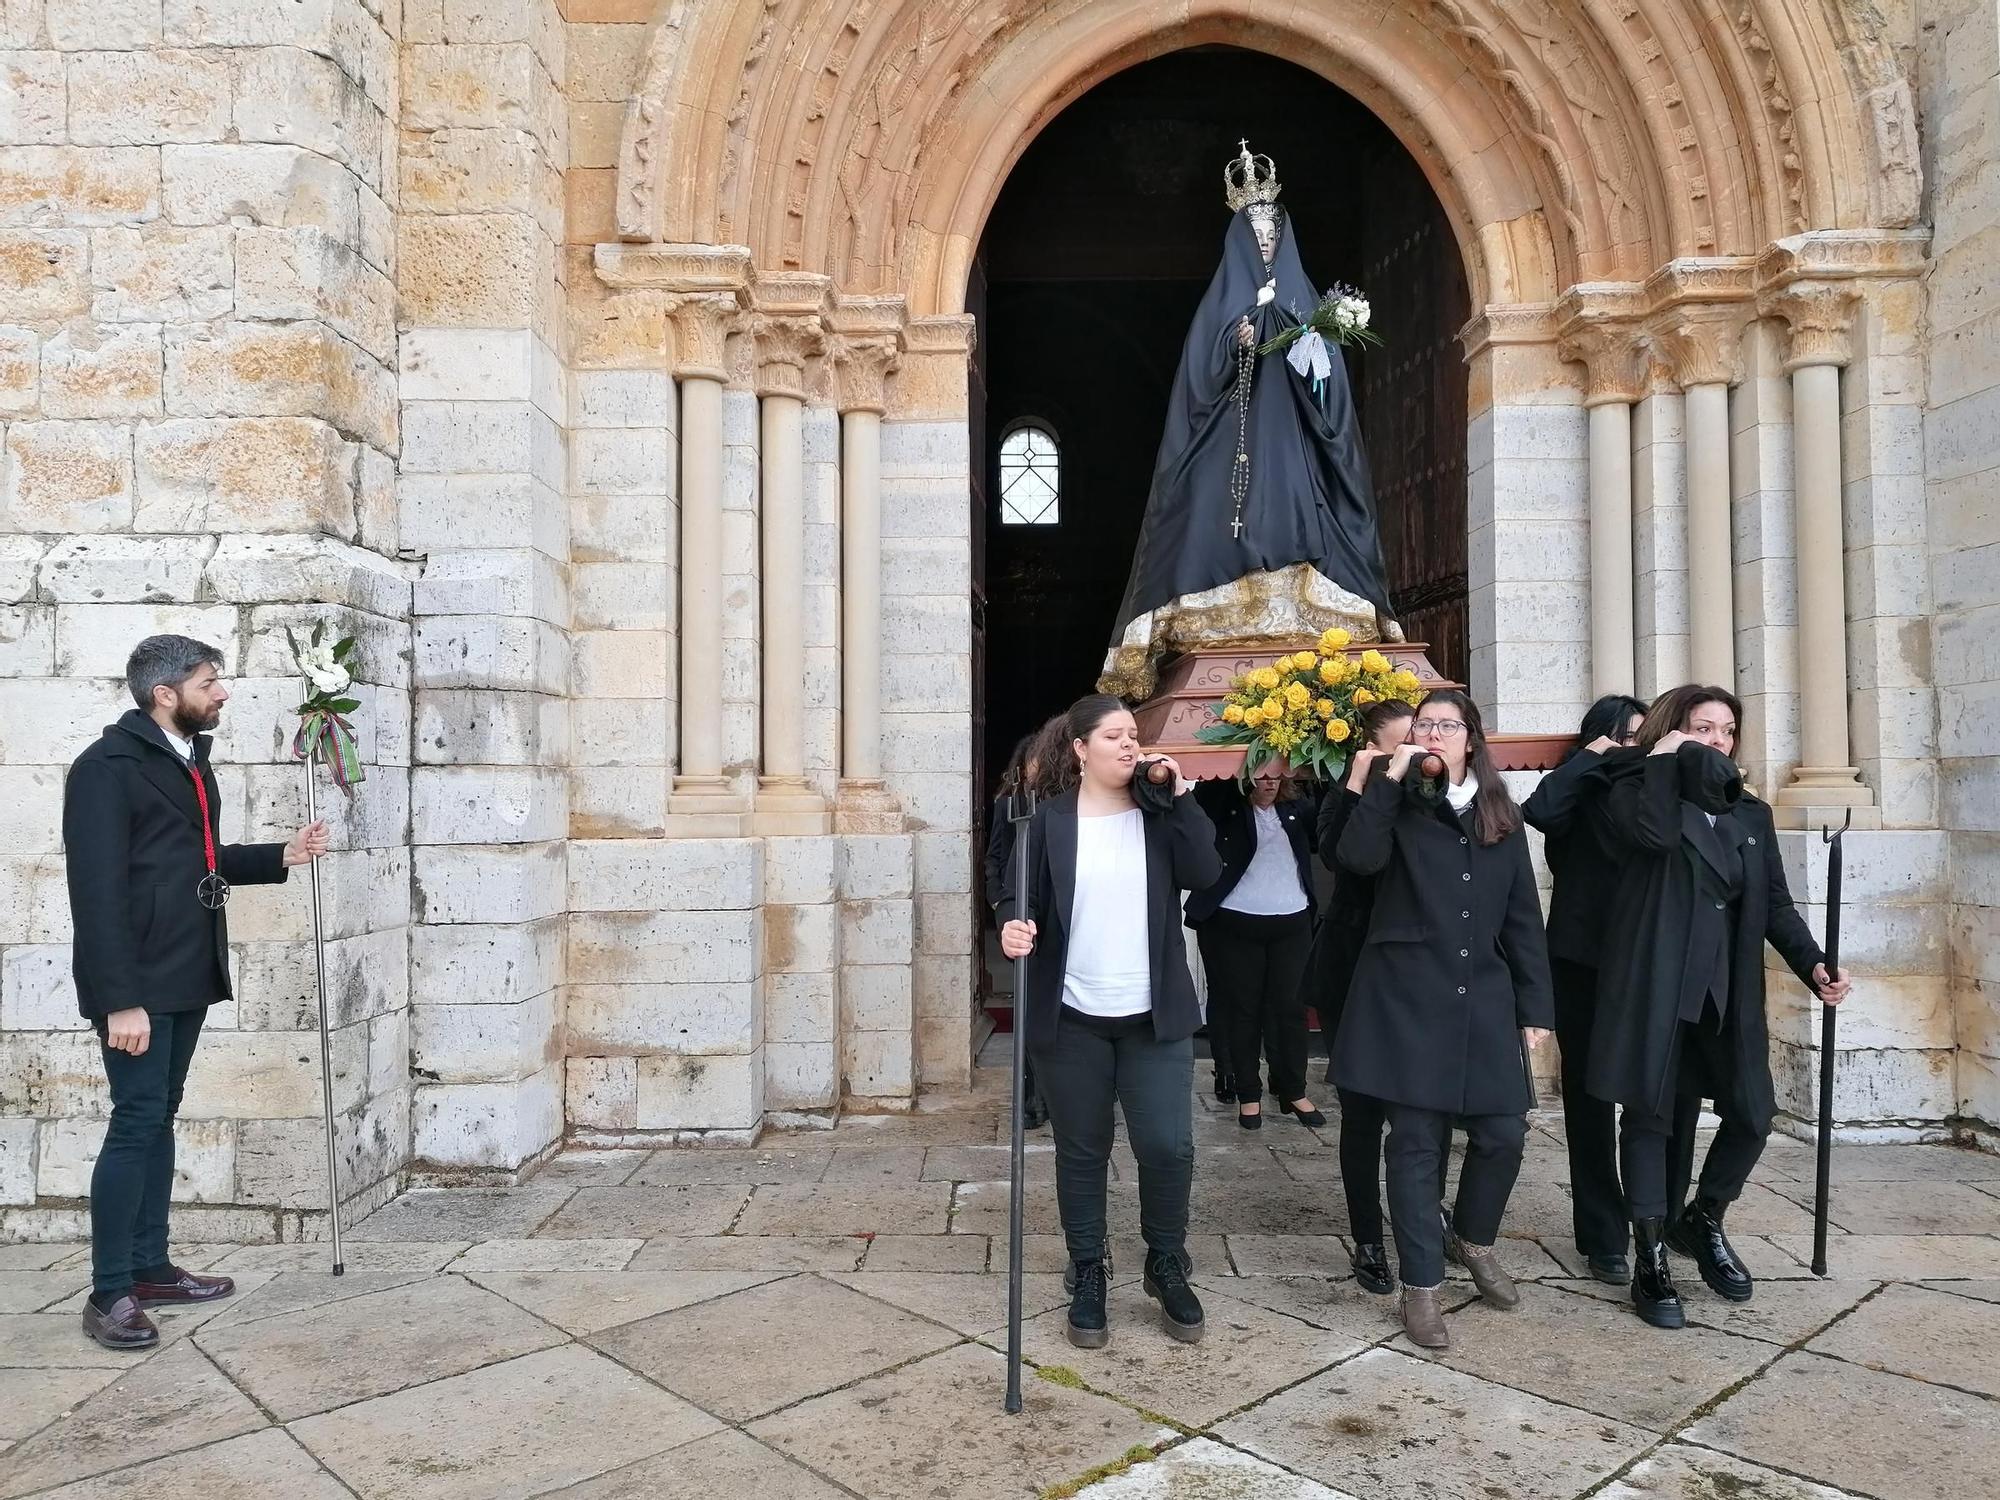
(518, 1428)
(1386, 1424)
(549, 1255)
(934, 1428)
(1781, 1312)
(369, 1346)
(1206, 1470)
(461, 1214)
(32, 1291)
(1861, 1429)
(363, 1255)
(1897, 1257)
(878, 1164)
(853, 1207)
(721, 1467)
(965, 1253)
(720, 1354)
(747, 1165)
(1682, 1472)
(734, 1252)
(292, 1292)
(581, 1302)
(970, 1304)
(1335, 1304)
(174, 1400)
(596, 1213)
(1245, 1354)
(591, 1168)
(1922, 1332)
(35, 1257)
(1923, 1206)
(30, 1399)
(260, 1466)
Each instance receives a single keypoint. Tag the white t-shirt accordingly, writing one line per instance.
(1109, 970)
(1270, 884)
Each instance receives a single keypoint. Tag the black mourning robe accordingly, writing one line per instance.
(1310, 498)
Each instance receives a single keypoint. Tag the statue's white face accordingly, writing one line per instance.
(1266, 227)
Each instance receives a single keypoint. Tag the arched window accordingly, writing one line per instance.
(1030, 477)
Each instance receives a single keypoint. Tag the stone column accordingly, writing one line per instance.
(1819, 317)
(703, 804)
(1614, 376)
(786, 802)
(1701, 350)
(863, 365)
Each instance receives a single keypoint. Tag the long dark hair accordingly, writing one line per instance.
(1377, 716)
(1079, 723)
(1670, 711)
(1029, 764)
(1606, 719)
(1494, 815)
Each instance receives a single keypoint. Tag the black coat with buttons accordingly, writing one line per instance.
(1229, 809)
(1662, 921)
(1455, 963)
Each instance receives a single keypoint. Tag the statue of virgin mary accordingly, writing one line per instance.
(1260, 526)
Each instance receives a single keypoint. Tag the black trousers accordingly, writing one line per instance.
(1656, 1150)
(133, 1182)
(1362, 1121)
(1418, 1142)
(1597, 1212)
(1086, 1065)
(1255, 966)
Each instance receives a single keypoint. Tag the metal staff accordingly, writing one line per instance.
(1020, 812)
(325, 1035)
(1827, 1015)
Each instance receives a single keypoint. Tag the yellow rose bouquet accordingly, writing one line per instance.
(1306, 708)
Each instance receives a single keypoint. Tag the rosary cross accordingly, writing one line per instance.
(1236, 526)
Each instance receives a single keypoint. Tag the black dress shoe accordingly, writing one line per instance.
(185, 1286)
(1088, 1328)
(1180, 1310)
(1312, 1119)
(1371, 1268)
(1225, 1086)
(1697, 1233)
(1034, 1113)
(123, 1325)
(1653, 1290)
(1612, 1270)
(1250, 1122)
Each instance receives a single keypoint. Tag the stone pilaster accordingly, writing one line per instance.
(1700, 346)
(1614, 366)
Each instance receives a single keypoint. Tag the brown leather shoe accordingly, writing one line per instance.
(1423, 1320)
(185, 1287)
(1494, 1284)
(124, 1326)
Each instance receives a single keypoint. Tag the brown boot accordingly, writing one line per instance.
(1422, 1320)
(1494, 1284)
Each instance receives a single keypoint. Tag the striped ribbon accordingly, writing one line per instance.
(325, 736)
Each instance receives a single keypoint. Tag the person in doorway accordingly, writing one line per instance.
(1343, 928)
(1254, 926)
(1111, 1006)
(1584, 871)
(1450, 994)
(1023, 773)
(1680, 989)
(148, 877)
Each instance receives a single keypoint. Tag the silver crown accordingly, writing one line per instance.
(1249, 179)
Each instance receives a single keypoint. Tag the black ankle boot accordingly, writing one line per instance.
(1088, 1328)
(1698, 1233)
(1371, 1268)
(1653, 1290)
(1180, 1310)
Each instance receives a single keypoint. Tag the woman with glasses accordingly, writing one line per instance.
(1680, 996)
(1585, 871)
(1343, 929)
(1451, 992)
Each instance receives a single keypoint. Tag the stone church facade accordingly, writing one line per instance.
(601, 365)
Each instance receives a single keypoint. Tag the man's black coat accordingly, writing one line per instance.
(1654, 924)
(1455, 963)
(132, 832)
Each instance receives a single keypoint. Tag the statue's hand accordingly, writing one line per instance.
(1245, 334)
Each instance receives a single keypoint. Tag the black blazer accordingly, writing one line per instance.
(1343, 924)
(132, 833)
(999, 852)
(1654, 925)
(1235, 821)
(1455, 963)
(1584, 868)
(1180, 855)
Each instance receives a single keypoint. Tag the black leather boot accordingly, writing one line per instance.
(1653, 1290)
(1088, 1328)
(1167, 1284)
(1698, 1233)
(1371, 1268)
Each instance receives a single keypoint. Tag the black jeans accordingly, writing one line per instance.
(1255, 966)
(1597, 1211)
(1089, 1063)
(133, 1181)
(1418, 1141)
(1656, 1150)
(1362, 1120)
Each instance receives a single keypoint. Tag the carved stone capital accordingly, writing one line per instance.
(702, 325)
(1819, 317)
(674, 268)
(1700, 345)
(784, 347)
(1613, 357)
(1514, 323)
(862, 367)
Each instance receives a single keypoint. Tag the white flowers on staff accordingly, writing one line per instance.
(326, 674)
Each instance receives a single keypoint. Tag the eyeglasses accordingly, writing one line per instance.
(1449, 728)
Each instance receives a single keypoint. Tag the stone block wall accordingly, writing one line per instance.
(197, 377)
(1959, 94)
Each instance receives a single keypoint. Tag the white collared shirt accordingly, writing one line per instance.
(183, 748)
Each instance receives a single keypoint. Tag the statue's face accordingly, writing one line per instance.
(1266, 226)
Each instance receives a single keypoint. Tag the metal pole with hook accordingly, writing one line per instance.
(325, 1032)
(1827, 1017)
(1020, 813)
